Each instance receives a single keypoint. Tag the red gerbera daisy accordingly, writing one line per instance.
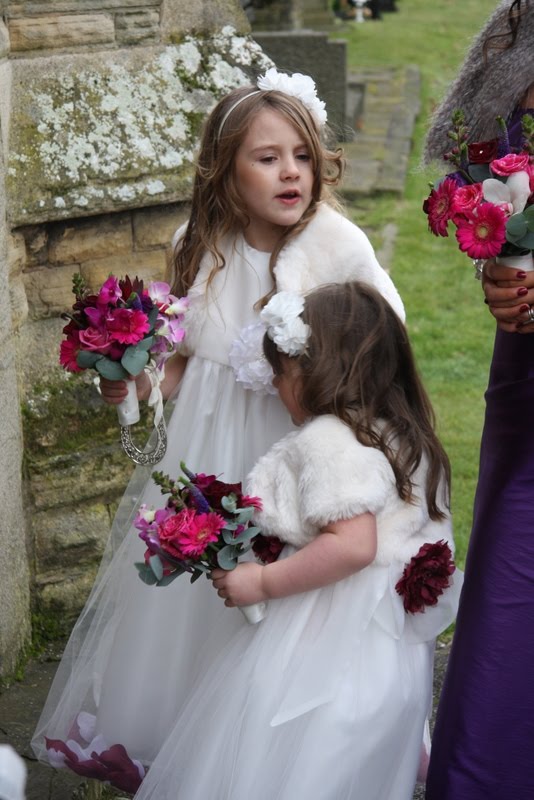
(482, 235)
(439, 206)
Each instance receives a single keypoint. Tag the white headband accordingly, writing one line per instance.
(285, 326)
(297, 85)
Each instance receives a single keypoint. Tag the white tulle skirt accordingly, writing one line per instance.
(326, 699)
(136, 651)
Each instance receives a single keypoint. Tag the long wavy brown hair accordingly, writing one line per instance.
(217, 209)
(359, 366)
(506, 39)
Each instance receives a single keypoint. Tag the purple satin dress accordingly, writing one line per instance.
(483, 743)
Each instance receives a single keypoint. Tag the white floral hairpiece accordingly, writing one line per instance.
(285, 326)
(297, 85)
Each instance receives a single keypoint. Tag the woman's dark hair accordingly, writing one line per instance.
(359, 366)
(506, 39)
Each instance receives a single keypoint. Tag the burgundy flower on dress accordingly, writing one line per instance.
(267, 548)
(426, 577)
(111, 764)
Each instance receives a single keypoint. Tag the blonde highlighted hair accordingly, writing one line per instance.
(217, 209)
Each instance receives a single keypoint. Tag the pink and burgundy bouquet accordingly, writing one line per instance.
(205, 523)
(489, 197)
(121, 328)
(426, 576)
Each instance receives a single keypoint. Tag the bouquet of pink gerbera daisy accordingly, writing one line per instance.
(119, 331)
(488, 197)
(206, 523)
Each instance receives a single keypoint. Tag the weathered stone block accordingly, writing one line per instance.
(154, 227)
(208, 16)
(100, 237)
(18, 301)
(129, 122)
(140, 26)
(60, 592)
(99, 473)
(16, 254)
(150, 266)
(49, 290)
(4, 40)
(70, 536)
(36, 238)
(26, 7)
(60, 30)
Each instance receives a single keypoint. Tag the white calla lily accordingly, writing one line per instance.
(514, 193)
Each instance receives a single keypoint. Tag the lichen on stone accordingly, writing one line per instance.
(118, 132)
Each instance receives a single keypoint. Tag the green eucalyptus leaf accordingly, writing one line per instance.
(146, 574)
(196, 575)
(244, 514)
(229, 503)
(156, 566)
(134, 360)
(228, 536)
(112, 370)
(169, 578)
(516, 227)
(526, 242)
(153, 316)
(227, 557)
(87, 360)
(480, 172)
(145, 344)
(246, 535)
(528, 213)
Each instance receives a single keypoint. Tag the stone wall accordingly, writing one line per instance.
(101, 104)
(14, 571)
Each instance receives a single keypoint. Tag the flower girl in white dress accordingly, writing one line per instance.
(260, 222)
(327, 698)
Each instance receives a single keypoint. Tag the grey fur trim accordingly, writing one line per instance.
(487, 90)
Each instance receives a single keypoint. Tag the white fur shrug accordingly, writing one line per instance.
(331, 249)
(321, 473)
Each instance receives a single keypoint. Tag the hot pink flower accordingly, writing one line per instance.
(482, 235)
(247, 500)
(94, 340)
(513, 162)
(127, 326)
(110, 292)
(439, 206)
(467, 198)
(203, 529)
(68, 350)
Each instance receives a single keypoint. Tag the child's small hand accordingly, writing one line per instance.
(241, 586)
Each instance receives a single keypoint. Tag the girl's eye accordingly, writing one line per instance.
(303, 156)
(267, 159)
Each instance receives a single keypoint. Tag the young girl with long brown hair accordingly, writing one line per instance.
(328, 697)
(261, 221)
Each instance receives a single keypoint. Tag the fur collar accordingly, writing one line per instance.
(485, 90)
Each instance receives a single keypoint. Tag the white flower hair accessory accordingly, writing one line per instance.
(296, 85)
(251, 368)
(285, 326)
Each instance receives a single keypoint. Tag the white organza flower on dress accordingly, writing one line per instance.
(252, 370)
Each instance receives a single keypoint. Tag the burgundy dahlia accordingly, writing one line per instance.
(426, 577)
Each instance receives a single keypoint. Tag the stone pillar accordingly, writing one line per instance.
(14, 571)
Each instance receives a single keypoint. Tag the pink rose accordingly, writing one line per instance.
(467, 198)
(511, 163)
(94, 340)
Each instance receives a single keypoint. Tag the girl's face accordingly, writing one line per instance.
(288, 385)
(274, 177)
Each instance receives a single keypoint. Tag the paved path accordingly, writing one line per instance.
(377, 162)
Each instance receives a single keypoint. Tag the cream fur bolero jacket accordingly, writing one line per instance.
(331, 249)
(321, 473)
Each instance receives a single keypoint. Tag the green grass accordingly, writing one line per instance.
(450, 327)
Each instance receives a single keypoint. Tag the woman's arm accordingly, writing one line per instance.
(341, 549)
(115, 391)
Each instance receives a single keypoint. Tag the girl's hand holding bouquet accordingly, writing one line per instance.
(121, 332)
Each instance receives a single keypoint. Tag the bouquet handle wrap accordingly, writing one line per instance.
(128, 409)
(525, 262)
(254, 613)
